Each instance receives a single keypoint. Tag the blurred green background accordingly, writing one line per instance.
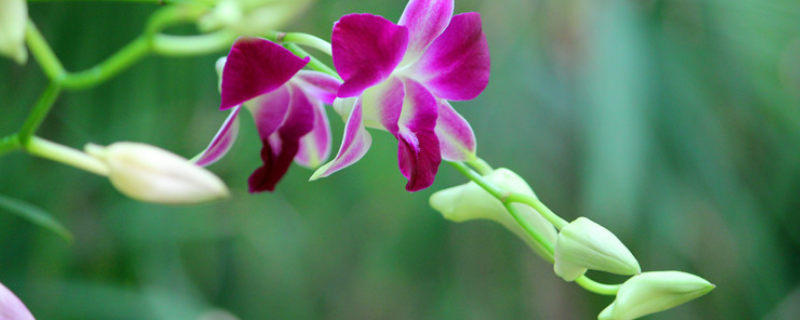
(675, 124)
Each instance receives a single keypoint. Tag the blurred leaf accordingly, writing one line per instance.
(36, 215)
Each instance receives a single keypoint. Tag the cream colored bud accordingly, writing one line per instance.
(13, 21)
(583, 245)
(252, 17)
(151, 174)
(652, 292)
(470, 202)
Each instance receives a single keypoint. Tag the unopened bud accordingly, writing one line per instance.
(13, 21)
(11, 308)
(652, 292)
(583, 245)
(151, 174)
(470, 201)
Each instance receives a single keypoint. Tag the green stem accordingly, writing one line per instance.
(480, 166)
(39, 112)
(597, 287)
(172, 15)
(537, 204)
(66, 155)
(9, 143)
(43, 53)
(508, 199)
(502, 195)
(309, 41)
(112, 66)
(314, 63)
(192, 45)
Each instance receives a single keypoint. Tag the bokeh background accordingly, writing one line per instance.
(674, 123)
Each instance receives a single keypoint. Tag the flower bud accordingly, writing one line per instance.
(251, 17)
(151, 174)
(13, 21)
(11, 308)
(583, 245)
(470, 201)
(651, 292)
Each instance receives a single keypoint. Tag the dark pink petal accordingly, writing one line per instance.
(456, 138)
(255, 67)
(315, 147)
(419, 159)
(281, 147)
(318, 85)
(222, 142)
(11, 308)
(355, 144)
(456, 66)
(418, 151)
(366, 49)
(426, 20)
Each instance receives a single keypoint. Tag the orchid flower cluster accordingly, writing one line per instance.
(395, 77)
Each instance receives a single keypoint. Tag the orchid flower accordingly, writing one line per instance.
(399, 78)
(286, 103)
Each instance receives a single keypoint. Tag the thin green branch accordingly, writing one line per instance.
(309, 41)
(40, 50)
(314, 63)
(112, 66)
(39, 112)
(66, 155)
(537, 204)
(9, 143)
(597, 287)
(169, 45)
(481, 166)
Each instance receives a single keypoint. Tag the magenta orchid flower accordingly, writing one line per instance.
(287, 104)
(399, 78)
(11, 308)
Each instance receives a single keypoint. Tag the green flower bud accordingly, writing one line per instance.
(151, 174)
(13, 21)
(651, 292)
(583, 245)
(470, 201)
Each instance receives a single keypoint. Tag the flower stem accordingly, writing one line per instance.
(9, 143)
(39, 113)
(480, 165)
(537, 204)
(50, 64)
(503, 197)
(597, 287)
(309, 41)
(112, 66)
(508, 199)
(66, 155)
(314, 63)
(169, 45)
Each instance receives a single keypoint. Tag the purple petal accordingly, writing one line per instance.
(426, 20)
(11, 308)
(355, 144)
(222, 142)
(456, 66)
(456, 138)
(315, 147)
(281, 147)
(255, 67)
(386, 102)
(269, 110)
(418, 151)
(319, 85)
(419, 159)
(366, 49)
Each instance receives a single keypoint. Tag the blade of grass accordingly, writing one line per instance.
(36, 215)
